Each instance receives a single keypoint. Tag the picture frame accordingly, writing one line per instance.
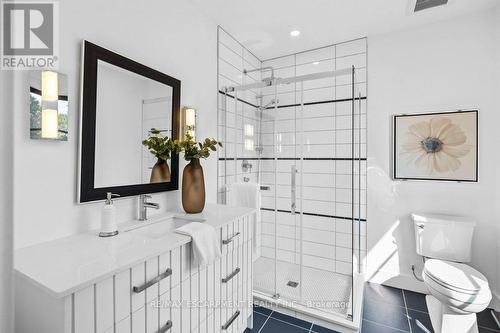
(436, 146)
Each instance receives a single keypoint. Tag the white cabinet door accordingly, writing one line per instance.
(139, 321)
(104, 305)
(152, 316)
(165, 309)
(195, 296)
(84, 310)
(175, 296)
(123, 326)
(122, 295)
(151, 274)
(138, 279)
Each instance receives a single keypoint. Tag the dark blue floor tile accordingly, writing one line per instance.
(277, 326)
(370, 327)
(321, 329)
(485, 319)
(380, 293)
(420, 322)
(386, 314)
(291, 320)
(262, 310)
(258, 321)
(415, 301)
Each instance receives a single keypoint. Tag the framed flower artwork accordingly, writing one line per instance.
(441, 146)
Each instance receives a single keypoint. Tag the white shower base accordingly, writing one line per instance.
(322, 290)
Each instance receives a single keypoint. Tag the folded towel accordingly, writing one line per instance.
(206, 246)
(248, 195)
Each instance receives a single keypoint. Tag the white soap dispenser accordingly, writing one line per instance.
(108, 217)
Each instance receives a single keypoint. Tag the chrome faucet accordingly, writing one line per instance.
(144, 205)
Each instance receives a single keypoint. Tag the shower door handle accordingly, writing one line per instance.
(293, 186)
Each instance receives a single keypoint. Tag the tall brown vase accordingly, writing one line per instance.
(193, 187)
(160, 172)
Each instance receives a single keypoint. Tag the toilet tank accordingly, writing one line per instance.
(443, 237)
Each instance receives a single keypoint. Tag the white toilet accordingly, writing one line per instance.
(457, 291)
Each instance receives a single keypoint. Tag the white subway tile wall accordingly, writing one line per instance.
(311, 129)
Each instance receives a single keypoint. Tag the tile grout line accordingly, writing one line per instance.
(284, 321)
(383, 325)
(406, 310)
(288, 323)
(265, 322)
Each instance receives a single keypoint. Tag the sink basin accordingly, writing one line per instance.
(160, 228)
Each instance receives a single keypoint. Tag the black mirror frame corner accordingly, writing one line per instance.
(87, 192)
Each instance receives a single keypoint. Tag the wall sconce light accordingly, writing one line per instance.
(48, 106)
(188, 122)
(248, 130)
(50, 86)
(49, 123)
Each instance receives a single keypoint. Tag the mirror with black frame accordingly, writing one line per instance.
(130, 116)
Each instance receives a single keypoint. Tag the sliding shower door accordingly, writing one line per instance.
(304, 142)
(311, 162)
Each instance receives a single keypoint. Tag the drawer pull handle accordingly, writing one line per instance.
(230, 276)
(230, 239)
(157, 279)
(230, 321)
(165, 328)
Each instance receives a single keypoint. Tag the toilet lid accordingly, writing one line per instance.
(455, 275)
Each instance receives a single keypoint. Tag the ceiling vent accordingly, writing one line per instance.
(419, 5)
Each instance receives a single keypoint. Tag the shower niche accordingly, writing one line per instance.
(296, 125)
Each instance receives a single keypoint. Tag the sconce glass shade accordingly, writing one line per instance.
(50, 124)
(190, 117)
(188, 122)
(248, 130)
(50, 86)
(249, 144)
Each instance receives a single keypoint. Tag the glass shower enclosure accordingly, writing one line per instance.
(309, 158)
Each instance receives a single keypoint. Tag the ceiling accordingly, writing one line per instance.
(264, 26)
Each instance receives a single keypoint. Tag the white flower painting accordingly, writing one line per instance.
(436, 146)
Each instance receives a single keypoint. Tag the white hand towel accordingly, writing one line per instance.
(206, 246)
(248, 195)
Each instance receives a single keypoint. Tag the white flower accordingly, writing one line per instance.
(436, 145)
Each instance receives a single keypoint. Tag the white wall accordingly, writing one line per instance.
(171, 36)
(443, 66)
(6, 225)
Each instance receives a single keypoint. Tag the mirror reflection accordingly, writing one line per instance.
(130, 108)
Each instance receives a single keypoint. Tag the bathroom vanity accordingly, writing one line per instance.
(143, 280)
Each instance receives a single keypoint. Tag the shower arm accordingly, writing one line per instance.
(263, 69)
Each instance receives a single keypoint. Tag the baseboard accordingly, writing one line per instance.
(403, 281)
(495, 302)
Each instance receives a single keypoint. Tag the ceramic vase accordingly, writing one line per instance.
(160, 172)
(193, 187)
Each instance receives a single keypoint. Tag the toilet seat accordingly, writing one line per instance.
(456, 276)
(458, 285)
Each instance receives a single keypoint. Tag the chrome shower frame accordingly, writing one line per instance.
(354, 312)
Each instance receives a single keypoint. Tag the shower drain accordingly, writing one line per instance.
(292, 284)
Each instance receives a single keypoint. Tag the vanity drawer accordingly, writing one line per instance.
(230, 237)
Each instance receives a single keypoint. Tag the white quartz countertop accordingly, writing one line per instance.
(65, 265)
